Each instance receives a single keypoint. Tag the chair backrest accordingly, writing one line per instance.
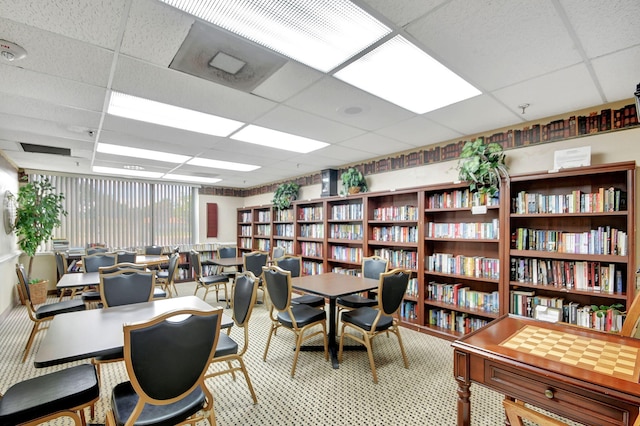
(391, 290)
(517, 412)
(373, 266)
(245, 290)
(227, 252)
(93, 262)
(277, 252)
(187, 335)
(61, 264)
(292, 264)
(153, 250)
(127, 286)
(94, 250)
(173, 266)
(631, 325)
(120, 266)
(194, 260)
(255, 261)
(278, 282)
(24, 287)
(126, 256)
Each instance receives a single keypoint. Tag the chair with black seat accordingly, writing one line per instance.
(94, 250)
(158, 292)
(228, 253)
(297, 318)
(45, 312)
(244, 292)
(126, 256)
(277, 253)
(369, 322)
(161, 391)
(61, 269)
(153, 250)
(293, 264)
(167, 281)
(216, 282)
(93, 263)
(372, 267)
(63, 393)
(254, 262)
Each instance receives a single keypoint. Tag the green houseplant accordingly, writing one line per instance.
(353, 181)
(38, 212)
(483, 166)
(285, 194)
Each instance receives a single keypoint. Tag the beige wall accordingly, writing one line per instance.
(8, 247)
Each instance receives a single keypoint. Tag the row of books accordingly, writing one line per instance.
(263, 231)
(398, 234)
(464, 230)
(460, 199)
(398, 258)
(608, 319)
(284, 230)
(346, 231)
(312, 268)
(407, 212)
(347, 212)
(578, 275)
(264, 216)
(412, 288)
(604, 240)
(408, 311)
(284, 215)
(454, 321)
(346, 254)
(310, 213)
(285, 244)
(471, 266)
(311, 249)
(245, 243)
(605, 200)
(356, 272)
(245, 230)
(313, 230)
(245, 217)
(463, 296)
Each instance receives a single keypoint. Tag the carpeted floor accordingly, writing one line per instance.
(423, 394)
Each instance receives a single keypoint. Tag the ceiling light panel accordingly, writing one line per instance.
(146, 154)
(321, 34)
(401, 73)
(185, 178)
(140, 109)
(123, 172)
(226, 165)
(276, 139)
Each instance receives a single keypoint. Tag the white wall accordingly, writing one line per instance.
(227, 218)
(8, 247)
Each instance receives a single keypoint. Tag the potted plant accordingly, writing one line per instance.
(353, 181)
(285, 194)
(38, 212)
(482, 166)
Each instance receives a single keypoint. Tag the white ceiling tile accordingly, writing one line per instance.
(566, 90)
(288, 80)
(402, 12)
(495, 44)
(375, 144)
(92, 21)
(618, 73)
(418, 132)
(332, 99)
(604, 26)
(41, 127)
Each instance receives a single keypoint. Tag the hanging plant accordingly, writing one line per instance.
(482, 166)
(285, 194)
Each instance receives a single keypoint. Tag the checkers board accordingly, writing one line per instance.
(589, 354)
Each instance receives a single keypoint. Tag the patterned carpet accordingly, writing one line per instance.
(424, 394)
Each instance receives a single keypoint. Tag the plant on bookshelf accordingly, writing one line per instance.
(285, 194)
(353, 181)
(483, 166)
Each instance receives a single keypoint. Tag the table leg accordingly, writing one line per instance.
(333, 348)
(464, 403)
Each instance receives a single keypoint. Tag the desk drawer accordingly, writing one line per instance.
(584, 406)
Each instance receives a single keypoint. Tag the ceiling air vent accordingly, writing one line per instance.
(41, 149)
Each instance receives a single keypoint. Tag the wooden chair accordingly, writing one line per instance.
(293, 264)
(167, 281)
(126, 286)
(153, 250)
(161, 390)
(244, 292)
(61, 268)
(370, 322)
(44, 313)
(93, 263)
(297, 318)
(228, 253)
(207, 282)
(631, 325)
(254, 262)
(516, 412)
(372, 267)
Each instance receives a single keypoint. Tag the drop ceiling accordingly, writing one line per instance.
(556, 55)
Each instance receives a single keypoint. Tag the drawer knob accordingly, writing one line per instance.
(548, 393)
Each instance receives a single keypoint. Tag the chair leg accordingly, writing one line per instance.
(243, 367)
(272, 331)
(404, 355)
(367, 344)
(32, 335)
(297, 352)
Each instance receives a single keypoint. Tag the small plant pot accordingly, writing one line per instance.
(354, 190)
(38, 292)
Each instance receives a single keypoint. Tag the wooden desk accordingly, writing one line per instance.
(497, 357)
(333, 285)
(80, 335)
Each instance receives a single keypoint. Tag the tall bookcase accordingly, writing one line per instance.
(462, 247)
(572, 243)
(468, 266)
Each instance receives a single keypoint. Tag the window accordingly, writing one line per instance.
(124, 214)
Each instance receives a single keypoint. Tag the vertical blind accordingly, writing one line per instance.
(123, 214)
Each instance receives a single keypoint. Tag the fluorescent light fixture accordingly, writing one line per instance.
(401, 73)
(147, 154)
(217, 164)
(185, 178)
(321, 34)
(123, 172)
(140, 109)
(276, 139)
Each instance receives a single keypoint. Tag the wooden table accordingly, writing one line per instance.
(333, 285)
(80, 335)
(557, 376)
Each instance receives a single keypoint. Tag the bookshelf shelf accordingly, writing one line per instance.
(550, 288)
(569, 256)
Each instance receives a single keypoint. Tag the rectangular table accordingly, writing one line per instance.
(581, 374)
(78, 279)
(333, 285)
(80, 335)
